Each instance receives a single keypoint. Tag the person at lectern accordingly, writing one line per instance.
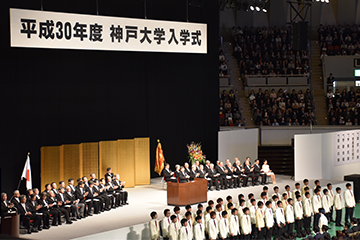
(169, 175)
(183, 176)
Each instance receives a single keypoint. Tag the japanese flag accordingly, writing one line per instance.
(27, 173)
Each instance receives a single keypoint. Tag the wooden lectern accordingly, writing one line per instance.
(10, 225)
(182, 194)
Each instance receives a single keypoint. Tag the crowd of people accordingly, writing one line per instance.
(224, 176)
(339, 40)
(267, 51)
(37, 210)
(223, 68)
(229, 112)
(343, 108)
(271, 215)
(282, 107)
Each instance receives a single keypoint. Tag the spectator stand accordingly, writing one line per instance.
(282, 104)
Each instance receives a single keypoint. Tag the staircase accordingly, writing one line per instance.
(280, 158)
(238, 86)
(317, 84)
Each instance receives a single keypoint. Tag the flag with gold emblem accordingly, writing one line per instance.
(160, 159)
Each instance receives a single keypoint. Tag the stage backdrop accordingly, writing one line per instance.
(52, 97)
(78, 160)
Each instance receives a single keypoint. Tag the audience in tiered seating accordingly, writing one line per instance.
(71, 202)
(278, 216)
(229, 112)
(344, 107)
(339, 40)
(223, 68)
(282, 108)
(267, 51)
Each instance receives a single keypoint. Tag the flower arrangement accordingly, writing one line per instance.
(195, 153)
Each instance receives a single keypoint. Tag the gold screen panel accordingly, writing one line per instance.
(50, 165)
(89, 158)
(107, 157)
(126, 161)
(142, 161)
(70, 156)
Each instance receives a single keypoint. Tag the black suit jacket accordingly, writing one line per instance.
(192, 175)
(221, 171)
(109, 175)
(206, 168)
(211, 174)
(257, 169)
(247, 170)
(67, 197)
(202, 173)
(32, 207)
(15, 202)
(167, 174)
(80, 195)
(230, 172)
(21, 210)
(177, 173)
(4, 209)
(182, 178)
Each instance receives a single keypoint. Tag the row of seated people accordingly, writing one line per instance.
(267, 54)
(270, 215)
(343, 108)
(225, 176)
(282, 108)
(72, 202)
(339, 40)
(223, 68)
(229, 112)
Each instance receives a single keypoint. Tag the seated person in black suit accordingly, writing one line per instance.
(231, 176)
(239, 171)
(193, 174)
(257, 172)
(34, 206)
(222, 177)
(202, 172)
(183, 176)
(123, 193)
(249, 172)
(169, 176)
(16, 198)
(187, 169)
(177, 170)
(26, 215)
(212, 177)
(5, 205)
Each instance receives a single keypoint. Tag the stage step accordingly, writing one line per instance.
(280, 158)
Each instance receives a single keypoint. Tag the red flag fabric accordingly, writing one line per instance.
(160, 159)
(27, 173)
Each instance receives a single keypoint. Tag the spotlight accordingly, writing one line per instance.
(252, 8)
(264, 10)
(257, 8)
(327, 1)
(322, 1)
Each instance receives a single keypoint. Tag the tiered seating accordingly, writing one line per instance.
(229, 112)
(339, 40)
(271, 108)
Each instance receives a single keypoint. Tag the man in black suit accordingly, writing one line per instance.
(5, 206)
(64, 203)
(207, 166)
(213, 177)
(81, 194)
(249, 172)
(46, 210)
(193, 174)
(47, 189)
(183, 176)
(71, 185)
(112, 191)
(177, 171)
(202, 172)
(91, 198)
(231, 177)
(106, 187)
(34, 207)
(197, 164)
(169, 176)
(26, 215)
(223, 172)
(187, 169)
(109, 173)
(16, 198)
(123, 193)
(257, 172)
(54, 188)
(102, 196)
(74, 204)
(239, 171)
(52, 199)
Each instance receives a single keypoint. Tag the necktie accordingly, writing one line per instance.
(219, 215)
(214, 222)
(200, 227)
(178, 218)
(255, 209)
(155, 223)
(225, 222)
(327, 199)
(168, 220)
(235, 219)
(247, 218)
(350, 192)
(281, 211)
(186, 231)
(331, 193)
(340, 197)
(175, 226)
(189, 223)
(318, 198)
(300, 205)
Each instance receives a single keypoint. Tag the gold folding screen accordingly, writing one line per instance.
(128, 157)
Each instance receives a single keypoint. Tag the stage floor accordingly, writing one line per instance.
(129, 222)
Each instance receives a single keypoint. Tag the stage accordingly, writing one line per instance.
(130, 222)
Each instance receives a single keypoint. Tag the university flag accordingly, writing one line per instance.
(27, 173)
(160, 159)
